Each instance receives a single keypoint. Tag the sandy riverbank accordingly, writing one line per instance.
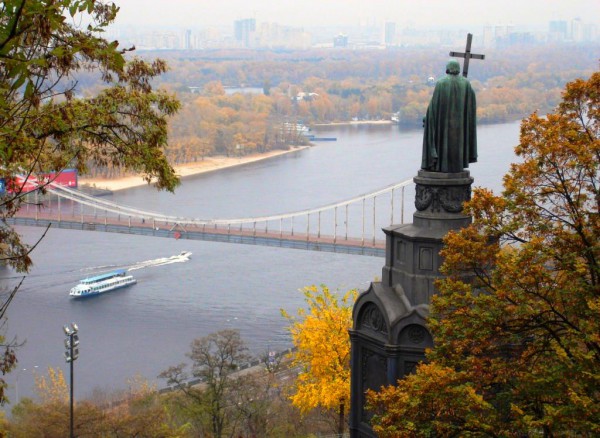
(209, 164)
(356, 122)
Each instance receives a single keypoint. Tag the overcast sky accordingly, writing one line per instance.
(421, 13)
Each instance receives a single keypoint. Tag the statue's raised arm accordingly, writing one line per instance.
(450, 138)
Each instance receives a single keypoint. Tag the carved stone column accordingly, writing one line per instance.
(440, 197)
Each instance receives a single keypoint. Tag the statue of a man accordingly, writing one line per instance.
(450, 139)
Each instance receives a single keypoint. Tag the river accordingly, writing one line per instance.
(145, 328)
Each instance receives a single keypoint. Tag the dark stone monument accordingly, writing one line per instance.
(389, 334)
(450, 137)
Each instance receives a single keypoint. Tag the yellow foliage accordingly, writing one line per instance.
(139, 386)
(3, 425)
(434, 392)
(320, 335)
(53, 388)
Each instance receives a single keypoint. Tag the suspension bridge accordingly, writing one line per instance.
(352, 226)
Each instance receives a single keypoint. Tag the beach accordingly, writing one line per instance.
(208, 164)
(356, 122)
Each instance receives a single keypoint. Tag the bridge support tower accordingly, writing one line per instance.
(389, 334)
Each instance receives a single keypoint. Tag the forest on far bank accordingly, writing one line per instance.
(337, 85)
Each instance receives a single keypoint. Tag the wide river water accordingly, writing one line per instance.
(143, 329)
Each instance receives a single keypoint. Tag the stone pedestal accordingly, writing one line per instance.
(389, 334)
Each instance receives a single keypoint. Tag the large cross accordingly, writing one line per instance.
(467, 55)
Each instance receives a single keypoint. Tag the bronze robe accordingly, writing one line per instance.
(450, 139)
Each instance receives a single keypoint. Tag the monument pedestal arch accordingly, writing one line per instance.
(389, 334)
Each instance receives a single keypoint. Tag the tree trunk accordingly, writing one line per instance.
(341, 423)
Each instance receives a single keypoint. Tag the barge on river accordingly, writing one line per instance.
(102, 283)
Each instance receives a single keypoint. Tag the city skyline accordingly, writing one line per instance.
(425, 13)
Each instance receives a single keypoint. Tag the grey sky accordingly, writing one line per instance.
(421, 13)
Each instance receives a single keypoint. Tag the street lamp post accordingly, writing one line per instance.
(71, 354)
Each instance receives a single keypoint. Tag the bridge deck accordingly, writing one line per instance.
(283, 239)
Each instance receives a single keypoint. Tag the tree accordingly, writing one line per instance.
(141, 413)
(51, 416)
(138, 413)
(518, 347)
(320, 335)
(215, 359)
(45, 127)
(214, 88)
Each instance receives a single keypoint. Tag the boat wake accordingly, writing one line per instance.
(33, 280)
(184, 256)
(120, 278)
(97, 268)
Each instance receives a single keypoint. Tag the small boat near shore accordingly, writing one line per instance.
(100, 284)
(298, 128)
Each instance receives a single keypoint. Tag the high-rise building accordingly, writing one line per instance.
(244, 31)
(275, 36)
(162, 40)
(590, 32)
(488, 36)
(558, 30)
(390, 33)
(340, 41)
(188, 39)
(577, 30)
(500, 32)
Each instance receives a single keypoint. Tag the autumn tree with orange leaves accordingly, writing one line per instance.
(320, 336)
(517, 351)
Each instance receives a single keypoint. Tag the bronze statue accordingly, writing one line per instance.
(450, 139)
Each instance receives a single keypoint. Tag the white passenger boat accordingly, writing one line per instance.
(102, 283)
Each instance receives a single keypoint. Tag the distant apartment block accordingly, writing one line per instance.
(581, 31)
(340, 40)
(275, 36)
(390, 33)
(247, 33)
(505, 35)
(244, 31)
(188, 40)
(558, 30)
(160, 40)
(575, 30)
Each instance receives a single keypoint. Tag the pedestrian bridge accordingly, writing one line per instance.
(352, 226)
